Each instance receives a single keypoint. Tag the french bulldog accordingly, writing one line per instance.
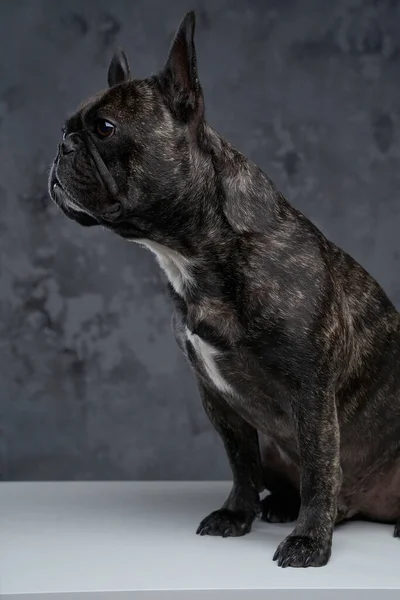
(294, 346)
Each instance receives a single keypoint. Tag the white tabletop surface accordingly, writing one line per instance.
(137, 540)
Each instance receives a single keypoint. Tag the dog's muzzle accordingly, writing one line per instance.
(59, 192)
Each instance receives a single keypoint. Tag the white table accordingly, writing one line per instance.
(103, 541)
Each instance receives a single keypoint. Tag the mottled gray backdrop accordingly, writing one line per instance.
(92, 385)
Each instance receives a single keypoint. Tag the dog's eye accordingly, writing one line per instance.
(103, 128)
(64, 133)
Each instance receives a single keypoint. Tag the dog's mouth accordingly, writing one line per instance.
(113, 210)
(66, 200)
(62, 196)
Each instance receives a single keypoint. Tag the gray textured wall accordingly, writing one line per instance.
(92, 384)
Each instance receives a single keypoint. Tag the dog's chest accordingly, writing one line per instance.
(210, 335)
(232, 371)
(208, 356)
(244, 389)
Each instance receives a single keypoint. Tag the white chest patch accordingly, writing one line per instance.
(175, 266)
(207, 354)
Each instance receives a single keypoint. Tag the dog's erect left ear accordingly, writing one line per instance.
(179, 75)
(118, 71)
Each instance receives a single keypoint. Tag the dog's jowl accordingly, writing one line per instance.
(295, 347)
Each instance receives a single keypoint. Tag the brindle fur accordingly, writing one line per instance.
(304, 340)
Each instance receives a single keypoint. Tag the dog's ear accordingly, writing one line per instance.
(118, 71)
(179, 76)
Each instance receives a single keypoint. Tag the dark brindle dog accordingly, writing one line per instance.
(296, 349)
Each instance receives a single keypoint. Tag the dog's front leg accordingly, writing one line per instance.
(241, 443)
(318, 442)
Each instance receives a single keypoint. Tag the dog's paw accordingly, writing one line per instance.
(302, 551)
(396, 532)
(226, 523)
(276, 508)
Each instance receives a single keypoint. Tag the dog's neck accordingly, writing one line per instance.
(236, 200)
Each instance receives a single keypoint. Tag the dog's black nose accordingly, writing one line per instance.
(69, 144)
